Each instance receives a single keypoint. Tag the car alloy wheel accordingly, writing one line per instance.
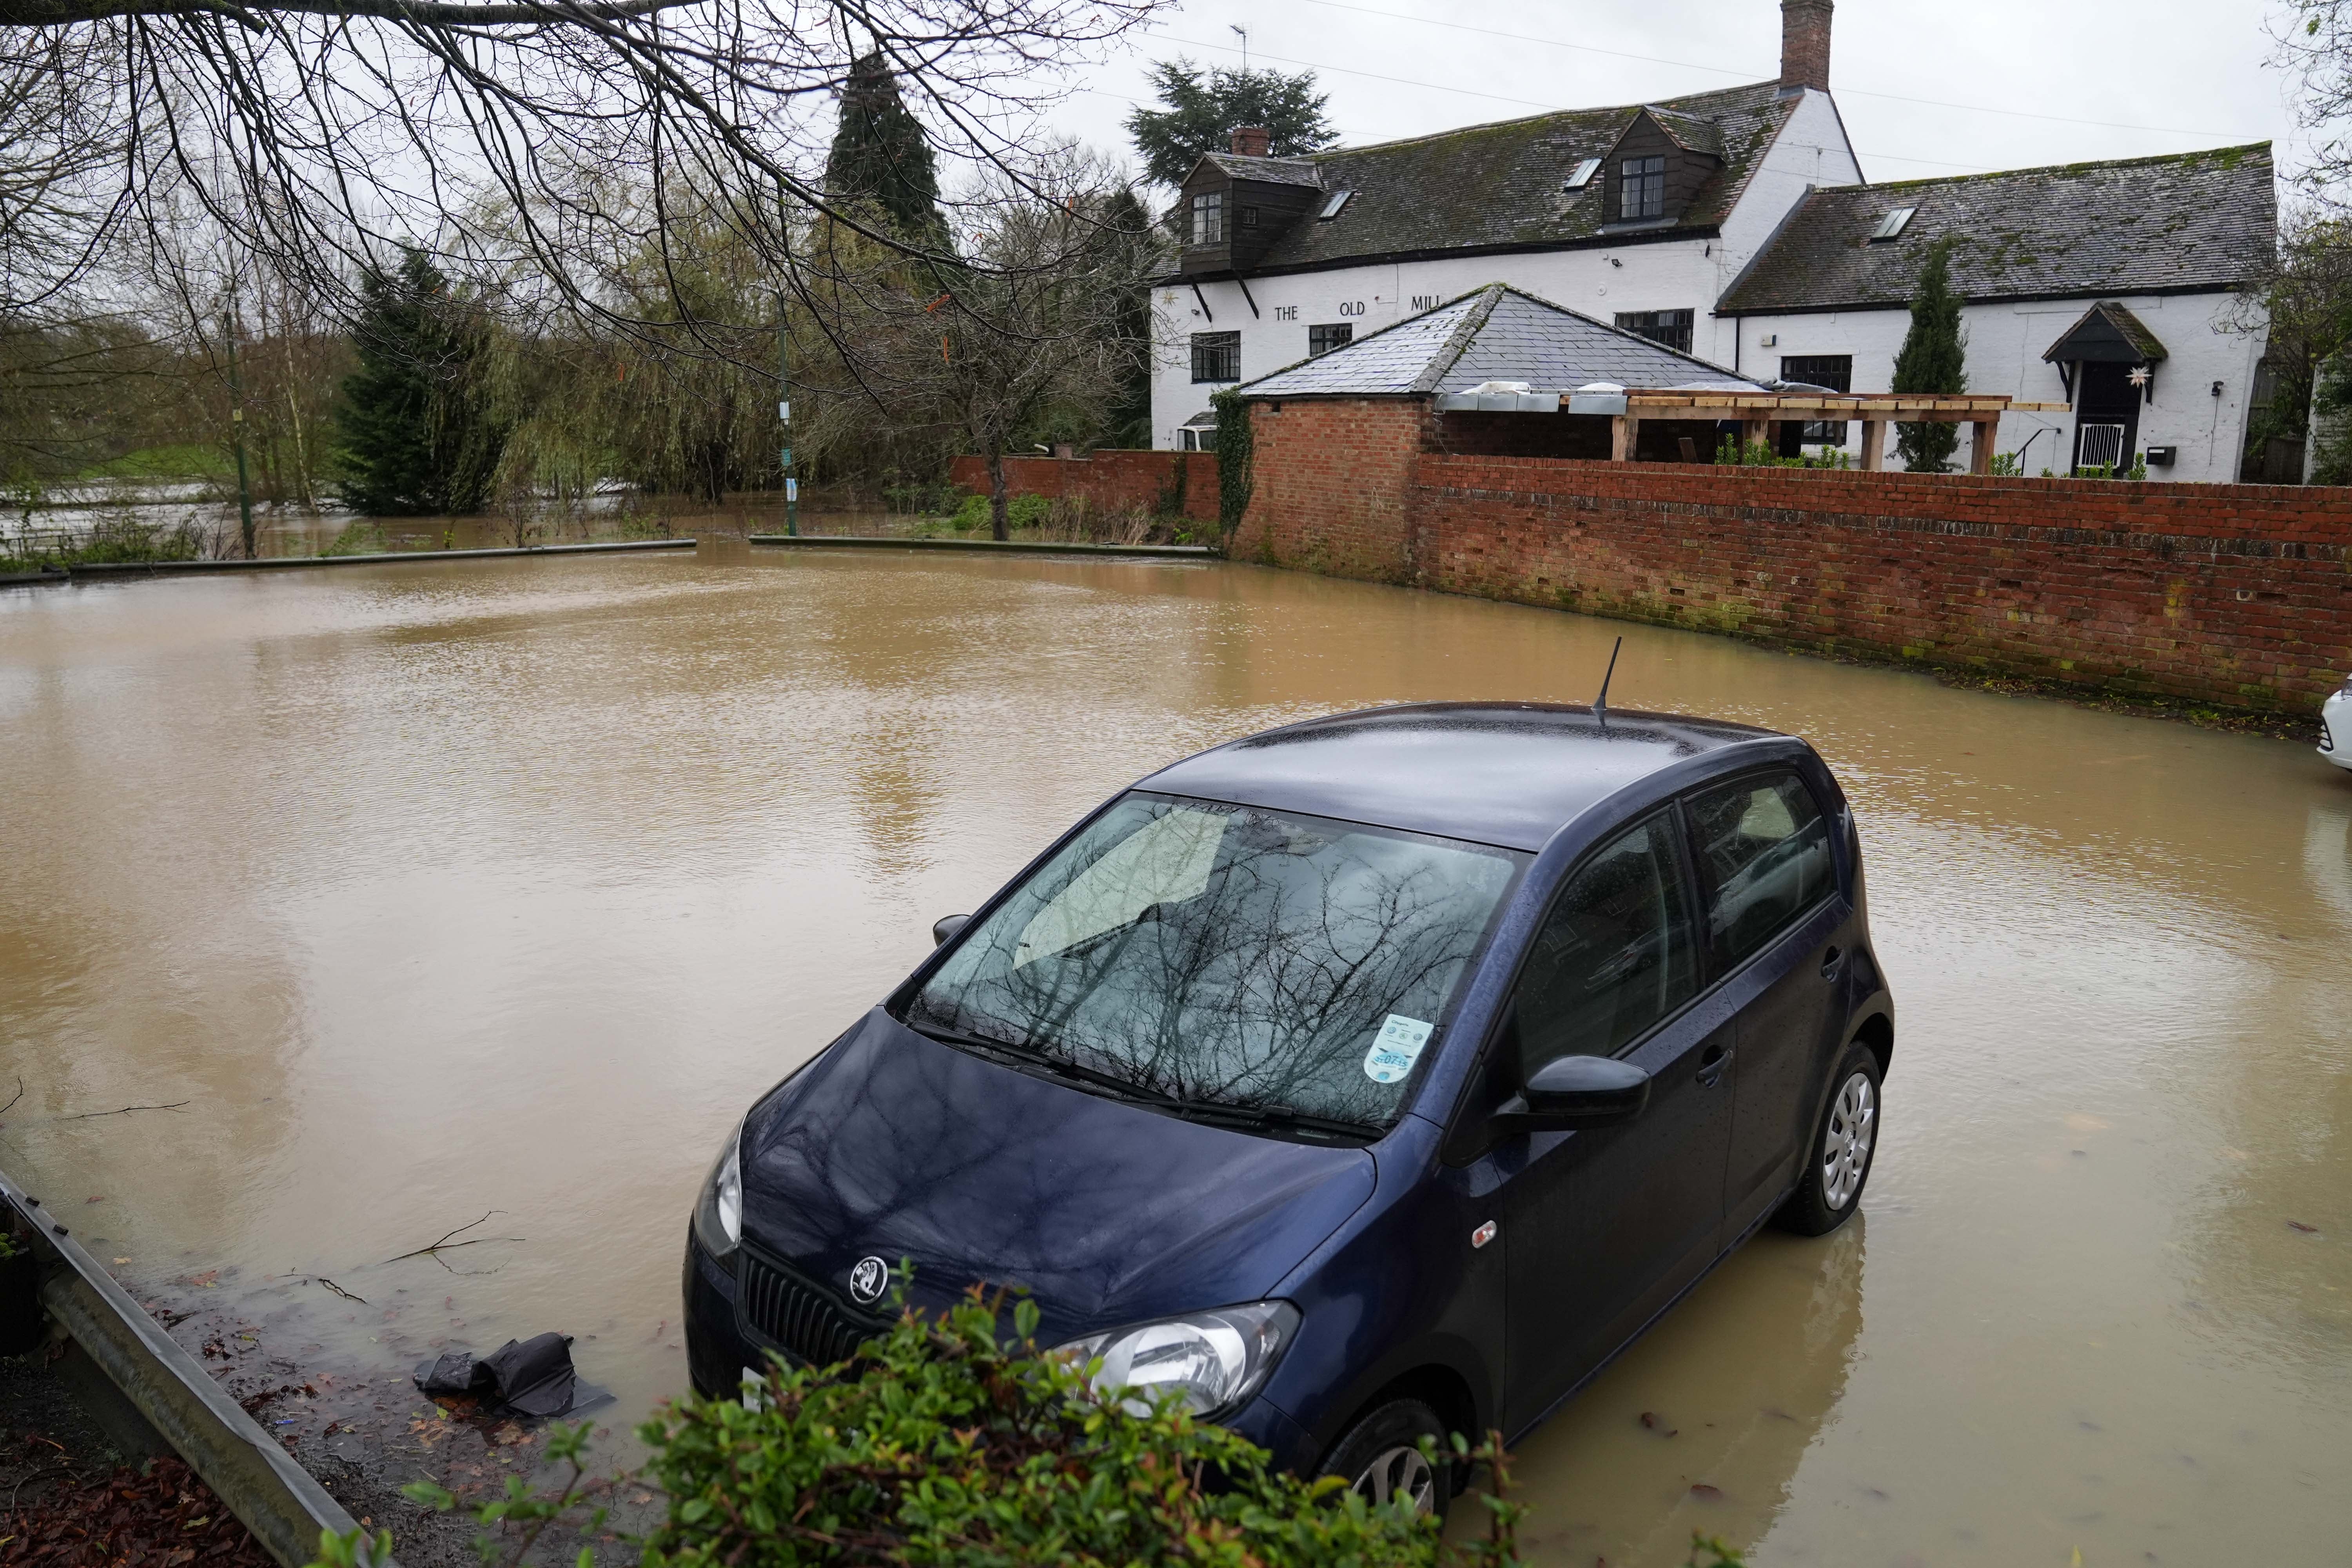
(1400, 1472)
(1845, 1145)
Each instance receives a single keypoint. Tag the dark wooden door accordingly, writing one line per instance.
(2106, 416)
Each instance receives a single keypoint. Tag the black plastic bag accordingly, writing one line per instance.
(531, 1378)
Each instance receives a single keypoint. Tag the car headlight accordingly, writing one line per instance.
(719, 1216)
(1216, 1359)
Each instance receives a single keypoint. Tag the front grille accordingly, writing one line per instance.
(786, 1308)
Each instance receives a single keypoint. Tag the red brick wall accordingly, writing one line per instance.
(1113, 480)
(2233, 593)
(1329, 487)
(2236, 593)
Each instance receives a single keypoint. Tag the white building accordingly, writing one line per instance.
(1736, 225)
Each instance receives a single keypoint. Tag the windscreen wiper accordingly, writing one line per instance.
(1059, 1066)
(1267, 1114)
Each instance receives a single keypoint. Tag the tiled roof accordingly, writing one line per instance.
(2108, 325)
(2188, 221)
(1499, 184)
(1274, 170)
(1495, 333)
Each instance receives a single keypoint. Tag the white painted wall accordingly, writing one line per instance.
(2204, 333)
(1665, 275)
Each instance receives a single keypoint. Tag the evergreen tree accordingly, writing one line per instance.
(880, 155)
(1204, 108)
(1934, 359)
(1128, 419)
(418, 431)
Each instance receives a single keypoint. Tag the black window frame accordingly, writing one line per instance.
(1676, 327)
(1248, 217)
(1225, 344)
(1320, 333)
(1642, 187)
(1820, 432)
(1716, 969)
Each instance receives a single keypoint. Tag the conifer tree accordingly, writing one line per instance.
(1203, 110)
(880, 155)
(418, 431)
(1128, 419)
(1934, 359)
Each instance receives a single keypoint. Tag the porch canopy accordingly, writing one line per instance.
(1504, 352)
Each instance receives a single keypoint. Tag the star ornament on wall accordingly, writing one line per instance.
(2139, 374)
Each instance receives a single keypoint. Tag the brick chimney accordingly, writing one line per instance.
(1255, 141)
(1805, 44)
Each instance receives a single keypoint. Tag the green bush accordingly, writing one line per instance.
(1733, 452)
(1236, 455)
(1020, 512)
(944, 1447)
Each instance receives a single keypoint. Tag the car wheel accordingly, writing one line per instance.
(1838, 1156)
(1380, 1456)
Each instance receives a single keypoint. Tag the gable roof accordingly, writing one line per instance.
(1497, 186)
(2184, 223)
(1272, 170)
(1495, 333)
(2109, 333)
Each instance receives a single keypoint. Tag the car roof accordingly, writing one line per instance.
(1507, 774)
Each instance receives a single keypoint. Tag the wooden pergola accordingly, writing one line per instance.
(1758, 412)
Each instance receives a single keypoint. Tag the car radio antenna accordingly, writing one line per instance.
(1601, 703)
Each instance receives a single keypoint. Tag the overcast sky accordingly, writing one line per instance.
(1926, 89)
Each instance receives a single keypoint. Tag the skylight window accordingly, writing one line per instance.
(1582, 175)
(1331, 208)
(1893, 224)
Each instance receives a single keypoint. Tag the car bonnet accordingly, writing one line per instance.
(892, 1145)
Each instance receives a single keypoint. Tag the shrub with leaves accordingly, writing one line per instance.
(951, 1448)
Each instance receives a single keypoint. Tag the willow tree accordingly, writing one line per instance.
(1041, 317)
(327, 134)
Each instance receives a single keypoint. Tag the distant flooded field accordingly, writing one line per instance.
(427, 890)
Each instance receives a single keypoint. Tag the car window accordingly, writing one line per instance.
(1230, 955)
(1765, 850)
(1615, 955)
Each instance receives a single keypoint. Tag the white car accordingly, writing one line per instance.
(2336, 727)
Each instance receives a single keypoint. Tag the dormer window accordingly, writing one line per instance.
(1209, 218)
(1642, 191)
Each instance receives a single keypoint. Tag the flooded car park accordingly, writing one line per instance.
(444, 888)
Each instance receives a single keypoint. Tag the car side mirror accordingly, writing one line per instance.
(1579, 1091)
(947, 926)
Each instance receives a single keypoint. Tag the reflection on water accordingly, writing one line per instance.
(434, 889)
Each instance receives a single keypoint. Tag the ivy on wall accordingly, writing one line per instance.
(1236, 448)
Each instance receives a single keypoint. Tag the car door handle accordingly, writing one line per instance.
(1711, 1066)
(1832, 964)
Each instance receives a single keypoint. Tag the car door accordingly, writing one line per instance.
(1604, 1225)
(1773, 924)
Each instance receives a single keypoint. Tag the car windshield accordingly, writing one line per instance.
(1226, 954)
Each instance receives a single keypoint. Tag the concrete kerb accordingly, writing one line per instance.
(382, 558)
(1007, 546)
(276, 1498)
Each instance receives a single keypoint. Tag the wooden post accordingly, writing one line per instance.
(1623, 430)
(1754, 432)
(1873, 443)
(1987, 434)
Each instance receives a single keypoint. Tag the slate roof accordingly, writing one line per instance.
(2185, 222)
(2108, 331)
(1495, 333)
(1274, 170)
(1498, 185)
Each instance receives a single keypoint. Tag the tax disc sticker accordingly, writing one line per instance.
(1395, 1048)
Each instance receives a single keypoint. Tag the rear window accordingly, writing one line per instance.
(1764, 851)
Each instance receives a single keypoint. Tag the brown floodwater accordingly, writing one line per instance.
(444, 888)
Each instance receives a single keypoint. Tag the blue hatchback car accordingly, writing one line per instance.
(1373, 1078)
